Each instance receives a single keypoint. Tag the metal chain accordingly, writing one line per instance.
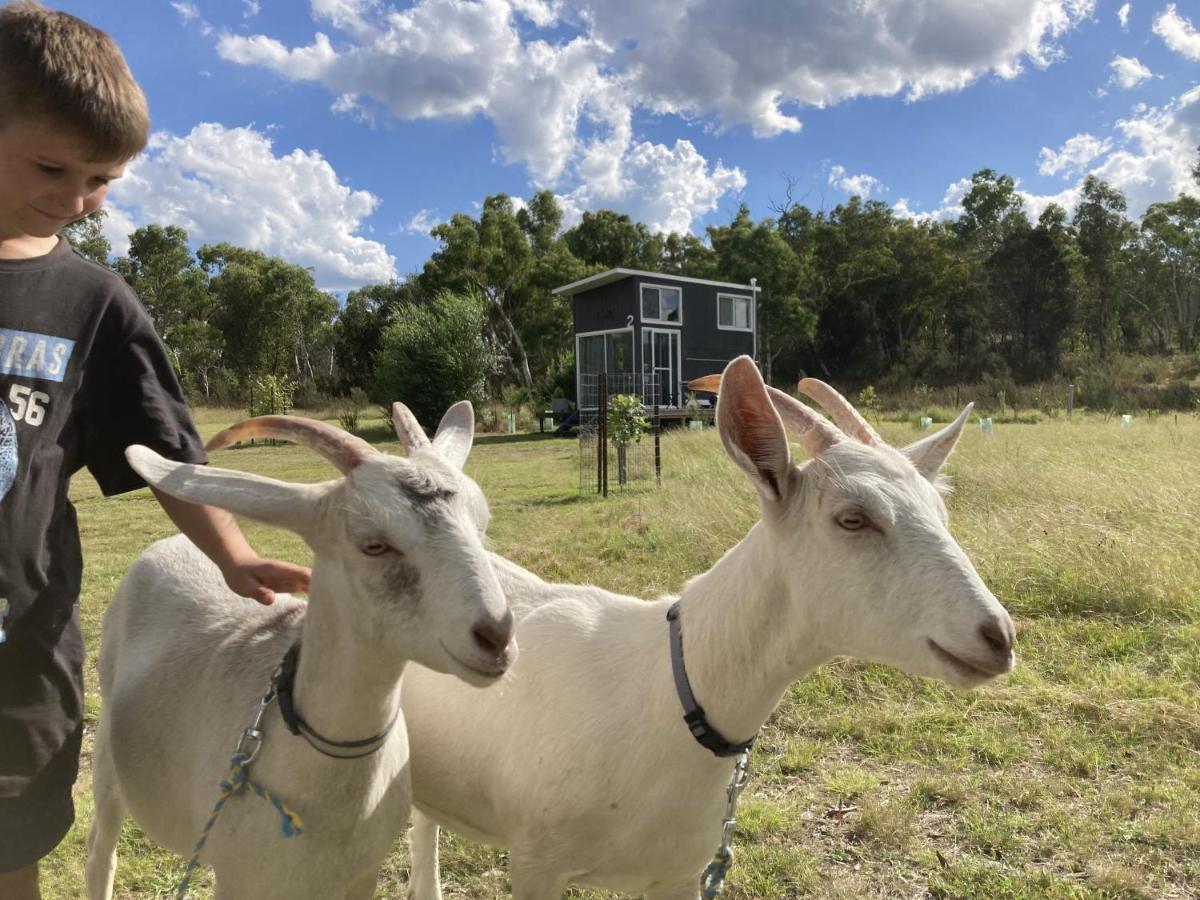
(712, 882)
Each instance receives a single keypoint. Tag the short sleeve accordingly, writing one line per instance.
(131, 396)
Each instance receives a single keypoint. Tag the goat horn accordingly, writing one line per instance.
(815, 433)
(342, 449)
(849, 419)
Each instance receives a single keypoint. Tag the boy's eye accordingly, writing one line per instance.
(48, 169)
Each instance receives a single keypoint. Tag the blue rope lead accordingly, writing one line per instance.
(237, 781)
(712, 882)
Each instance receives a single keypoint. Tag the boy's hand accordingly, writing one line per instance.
(259, 578)
(216, 533)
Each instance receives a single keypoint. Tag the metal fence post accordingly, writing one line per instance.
(602, 437)
(657, 448)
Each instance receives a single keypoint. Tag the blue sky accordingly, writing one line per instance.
(333, 133)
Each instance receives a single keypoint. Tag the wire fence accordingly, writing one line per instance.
(604, 462)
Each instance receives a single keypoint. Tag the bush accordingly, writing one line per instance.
(270, 395)
(433, 355)
(1179, 395)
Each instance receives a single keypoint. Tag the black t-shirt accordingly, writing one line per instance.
(83, 375)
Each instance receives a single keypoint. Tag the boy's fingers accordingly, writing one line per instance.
(265, 596)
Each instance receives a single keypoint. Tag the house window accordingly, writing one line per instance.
(734, 313)
(662, 304)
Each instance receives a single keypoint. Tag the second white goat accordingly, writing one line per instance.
(582, 766)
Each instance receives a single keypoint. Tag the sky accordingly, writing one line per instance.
(336, 133)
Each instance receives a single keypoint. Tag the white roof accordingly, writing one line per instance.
(602, 278)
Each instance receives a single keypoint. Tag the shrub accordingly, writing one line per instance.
(270, 395)
(434, 355)
(1178, 395)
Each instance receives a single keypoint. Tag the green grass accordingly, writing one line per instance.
(1076, 776)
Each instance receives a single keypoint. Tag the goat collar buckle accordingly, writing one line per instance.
(693, 713)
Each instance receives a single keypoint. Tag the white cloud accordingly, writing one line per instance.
(1178, 32)
(1128, 72)
(251, 8)
(667, 188)
(1123, 16)
(422, 222)
(227, 184)
(862, 185)
(563, 107)
(1154, 162)
(950, 208)
(189, 12)
(1074, 155)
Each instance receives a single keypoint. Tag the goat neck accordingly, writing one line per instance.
(745, 639)
(347, 687)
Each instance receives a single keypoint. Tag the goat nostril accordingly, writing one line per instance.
(493, 638)
(997, 637)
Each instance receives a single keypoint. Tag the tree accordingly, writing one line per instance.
(360, 325)
(274, 319)
(746, 250)
(435, 354)
(1103, 233)
(491, 258)
(1171, 234)
(611, 240)
(174, 289)
(87, 237)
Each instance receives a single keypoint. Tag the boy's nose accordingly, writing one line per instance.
(69, 204)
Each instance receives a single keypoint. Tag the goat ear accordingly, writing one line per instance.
(408, 429)
(455, 433)
(290, 506)
(751, 429)
(930, 454)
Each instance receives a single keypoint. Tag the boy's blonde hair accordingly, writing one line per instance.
(60, 69)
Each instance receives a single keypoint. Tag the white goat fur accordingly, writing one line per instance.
(400, 573)
(582, 766)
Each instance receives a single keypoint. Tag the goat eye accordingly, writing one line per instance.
(851, 521)
(375, 548)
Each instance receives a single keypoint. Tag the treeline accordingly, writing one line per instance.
(853, 294)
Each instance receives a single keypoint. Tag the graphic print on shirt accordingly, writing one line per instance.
(33, 356)
(8, 474)
(8, 450)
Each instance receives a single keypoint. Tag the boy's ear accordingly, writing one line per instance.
(291, 506)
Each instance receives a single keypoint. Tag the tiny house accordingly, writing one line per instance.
(644, 328)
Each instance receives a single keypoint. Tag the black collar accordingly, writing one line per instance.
(693, 713)
(284, 683)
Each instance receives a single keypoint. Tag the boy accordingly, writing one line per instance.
(82, 375)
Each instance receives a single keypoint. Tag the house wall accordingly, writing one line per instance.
(605, 308)
(704, 348)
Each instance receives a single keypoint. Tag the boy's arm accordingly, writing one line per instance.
(217, 534)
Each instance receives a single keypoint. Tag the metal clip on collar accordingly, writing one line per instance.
(251, 739)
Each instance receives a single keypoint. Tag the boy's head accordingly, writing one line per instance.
(69, 75)
(71, 116)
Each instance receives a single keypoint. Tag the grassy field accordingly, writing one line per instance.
(1076, 776)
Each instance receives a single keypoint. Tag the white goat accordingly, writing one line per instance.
(582, 766)
(399, 573)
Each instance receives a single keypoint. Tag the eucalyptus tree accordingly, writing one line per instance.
(1104, 234)
(86, 236)
(1171, 233)
(274, 319)
(745, 249)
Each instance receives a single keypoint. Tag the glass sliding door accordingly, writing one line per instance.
(607, 352)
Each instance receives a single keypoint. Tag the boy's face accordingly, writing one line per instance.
(46, 180)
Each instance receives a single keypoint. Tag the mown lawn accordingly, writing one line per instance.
(1076, 776)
